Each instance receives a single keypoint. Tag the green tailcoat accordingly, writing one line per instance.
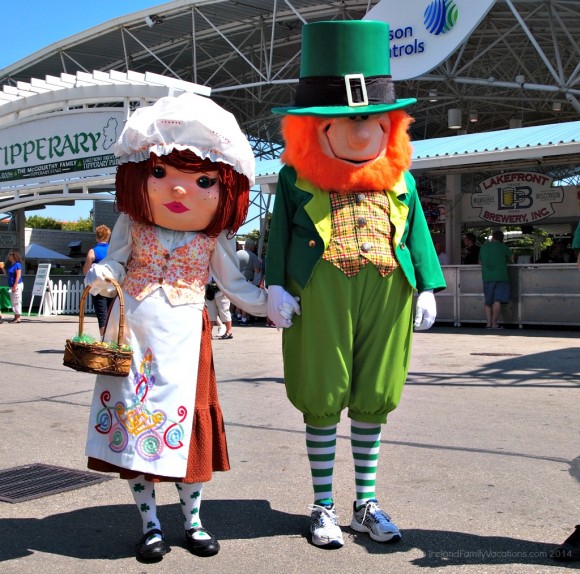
(301, 230)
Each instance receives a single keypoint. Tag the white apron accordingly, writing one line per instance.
(143, 422)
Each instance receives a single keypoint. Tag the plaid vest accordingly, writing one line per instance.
(361, 233)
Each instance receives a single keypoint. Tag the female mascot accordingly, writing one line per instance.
(183, 190)
(349, 240)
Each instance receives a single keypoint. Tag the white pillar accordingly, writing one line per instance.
(454, 218)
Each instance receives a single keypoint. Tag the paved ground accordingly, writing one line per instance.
(480, 464)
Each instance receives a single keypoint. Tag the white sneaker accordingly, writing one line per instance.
(376, 522)
(221, 330)
(324, 526)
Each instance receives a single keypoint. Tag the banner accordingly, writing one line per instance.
(424, 33)
(520, 198)
(60, 146)
(41, 279)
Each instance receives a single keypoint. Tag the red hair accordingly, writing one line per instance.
(303, 153)
(234, 188)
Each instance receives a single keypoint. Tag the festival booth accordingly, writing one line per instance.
(520, 178)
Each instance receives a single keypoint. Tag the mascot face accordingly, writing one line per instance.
(355, 140)
(182, 201)
(348, 154)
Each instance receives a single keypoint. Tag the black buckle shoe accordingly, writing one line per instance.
(152, 552)
(204, 546)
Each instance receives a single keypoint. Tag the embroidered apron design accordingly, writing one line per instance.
(143, 422)
(152, 430)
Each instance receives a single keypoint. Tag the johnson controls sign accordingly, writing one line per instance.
(424, 33)
(63, 146)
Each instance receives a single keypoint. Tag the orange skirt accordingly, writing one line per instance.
(208, 450)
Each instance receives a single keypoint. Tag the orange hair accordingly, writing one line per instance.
(234, 189)
(103, 234)
(303, 153)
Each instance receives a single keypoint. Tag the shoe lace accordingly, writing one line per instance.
(375, 513)
(324, 515)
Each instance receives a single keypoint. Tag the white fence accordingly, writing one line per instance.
(65, 298)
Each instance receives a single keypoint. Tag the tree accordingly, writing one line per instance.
(81, 224)
(39, 222)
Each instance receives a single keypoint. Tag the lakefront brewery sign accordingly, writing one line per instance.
(61, 146)
(520, 198)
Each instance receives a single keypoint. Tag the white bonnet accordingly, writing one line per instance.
(188, 122)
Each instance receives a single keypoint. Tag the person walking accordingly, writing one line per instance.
(470, 250)
(440, 250)
(15, 282)
(494, 257)
(96, 255)
(218, 308)
(1, 269)
(251, 269)
(576, 244)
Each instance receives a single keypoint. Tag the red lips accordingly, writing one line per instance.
(176, 207)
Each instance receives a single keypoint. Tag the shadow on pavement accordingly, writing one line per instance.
(111, 532)
(444, 548)
(556, 369)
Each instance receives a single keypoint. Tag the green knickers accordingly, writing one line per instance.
(350, 347)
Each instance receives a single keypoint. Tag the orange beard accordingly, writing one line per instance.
(303, 153)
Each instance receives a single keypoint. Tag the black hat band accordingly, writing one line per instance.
(351, 90)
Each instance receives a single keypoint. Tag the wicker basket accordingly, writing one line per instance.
(92, 358)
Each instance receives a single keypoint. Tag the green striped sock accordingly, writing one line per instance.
(321, 449)
(365, 442)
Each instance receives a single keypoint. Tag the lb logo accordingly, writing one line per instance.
(440, 16)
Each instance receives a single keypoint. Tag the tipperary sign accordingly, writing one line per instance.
(60, 147)
(518, 198)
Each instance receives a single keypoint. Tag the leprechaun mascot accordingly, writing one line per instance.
(350, 242)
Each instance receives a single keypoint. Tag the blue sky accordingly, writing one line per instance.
(32, 25)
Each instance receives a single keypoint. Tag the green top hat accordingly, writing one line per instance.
(345, 69)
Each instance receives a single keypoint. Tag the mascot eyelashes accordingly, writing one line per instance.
(182, 186)
(350, 242)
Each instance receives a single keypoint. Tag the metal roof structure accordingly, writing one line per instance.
(521, 62)
(553, 144)
(66, 91)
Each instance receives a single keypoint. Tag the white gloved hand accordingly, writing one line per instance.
(281, 306)
(97, 277)
(426, 311)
